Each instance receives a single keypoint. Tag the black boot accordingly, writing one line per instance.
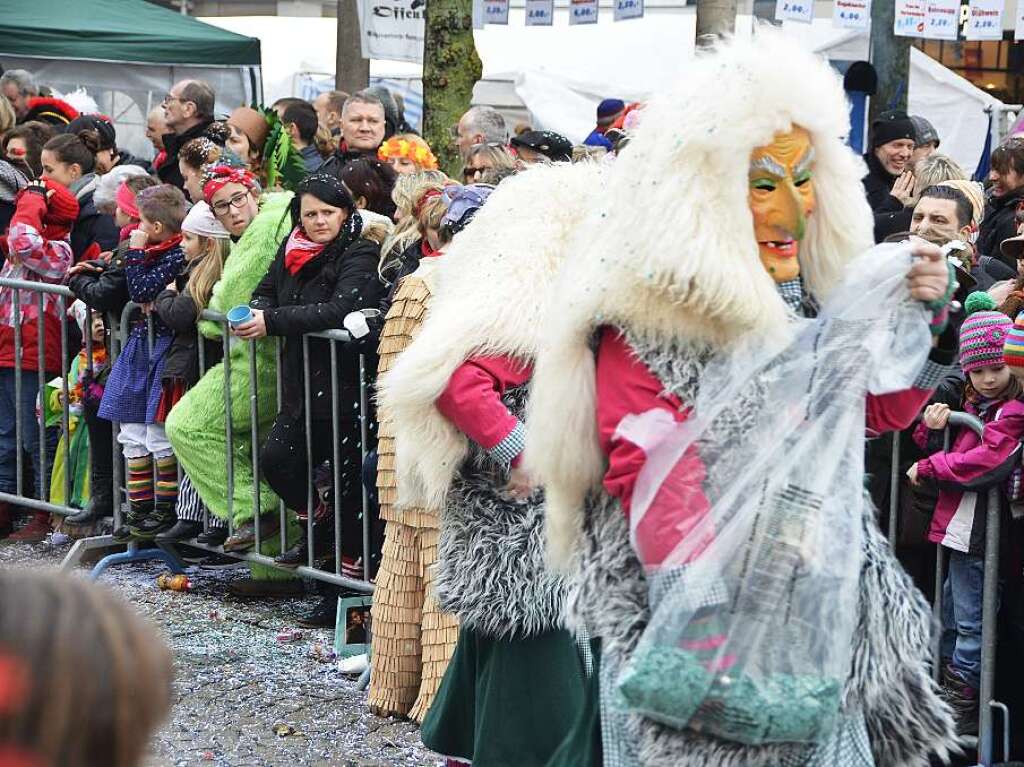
(183, 530)
(100, 504)
(963, 699)
(214, 537)
(162, 518)
(323, 536)
(137, 512)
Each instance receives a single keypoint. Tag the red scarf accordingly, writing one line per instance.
(153, 252)
(426, 251)
(300, 250)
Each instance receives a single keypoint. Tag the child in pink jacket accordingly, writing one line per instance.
(964, 475)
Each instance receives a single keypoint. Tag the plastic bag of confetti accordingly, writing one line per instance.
(748, 516)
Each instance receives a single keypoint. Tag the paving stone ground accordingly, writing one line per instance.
(235, 681)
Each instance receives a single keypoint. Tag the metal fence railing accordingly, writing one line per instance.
(120, 327)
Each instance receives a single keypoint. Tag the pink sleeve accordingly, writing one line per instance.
(472, 402)
(50, 259)
(626, 389)
(999, 440)
(895, 411)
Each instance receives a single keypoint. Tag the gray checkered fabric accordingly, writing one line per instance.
(506, 450)
(792, 292)
(848, 746)
(617, 744)
(932, 374)
(664, 585)
(586, 654)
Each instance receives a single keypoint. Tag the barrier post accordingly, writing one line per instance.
(894, 488)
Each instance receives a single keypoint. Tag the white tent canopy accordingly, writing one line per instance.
(555, 76)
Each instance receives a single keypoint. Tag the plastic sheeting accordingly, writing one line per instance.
(748, 517)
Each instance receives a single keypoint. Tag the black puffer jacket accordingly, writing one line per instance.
(406, 263)
(92, 227)
(877, 185)
(178, 311)
(169, 172)
(106, 290)
(1000, 223)
(338, 281)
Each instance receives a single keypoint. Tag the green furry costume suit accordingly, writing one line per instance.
(197, 425)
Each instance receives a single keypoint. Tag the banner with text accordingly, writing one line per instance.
(942, 19)
(910, 18)
(391, 31)
(851, 14)
(794, 10)
(582, 12)
(629, 9)
(496, 11)
(540, 13)
(1018, 28)
(984, 20)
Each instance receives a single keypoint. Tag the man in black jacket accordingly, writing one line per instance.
(889, 184)
(189, 111)
(1005, 197)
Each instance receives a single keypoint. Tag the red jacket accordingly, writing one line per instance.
(472, 399)
(625, 386)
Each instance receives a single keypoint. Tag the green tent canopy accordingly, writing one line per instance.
(118, 30)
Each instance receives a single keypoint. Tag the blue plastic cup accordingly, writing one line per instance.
(239, 315)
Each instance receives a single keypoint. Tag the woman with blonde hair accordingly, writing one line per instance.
(407, 153)
(86, 681)
(7, 116)
(487, 157)
(206, 245)
(932, 170)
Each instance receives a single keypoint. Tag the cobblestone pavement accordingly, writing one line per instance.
(235, 683)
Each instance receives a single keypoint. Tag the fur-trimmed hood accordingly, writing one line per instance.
(671, 253)
(490, 294)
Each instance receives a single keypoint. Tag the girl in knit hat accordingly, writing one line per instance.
(38, 249)
(964, 475)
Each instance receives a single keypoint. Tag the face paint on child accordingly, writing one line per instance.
(781, 199)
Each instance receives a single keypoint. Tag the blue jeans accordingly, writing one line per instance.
(29, 434)
(961, 615)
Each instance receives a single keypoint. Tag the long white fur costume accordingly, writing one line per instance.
(670, 254)
(491, 294)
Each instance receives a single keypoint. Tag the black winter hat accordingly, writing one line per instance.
(892, 126)
(554, 146)
(925, 131)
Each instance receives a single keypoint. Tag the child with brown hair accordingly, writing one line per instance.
(134, 389)
(85, 680)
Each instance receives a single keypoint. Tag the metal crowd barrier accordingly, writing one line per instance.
(171, 553)
(990, 591)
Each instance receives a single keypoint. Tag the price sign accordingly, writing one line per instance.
(942, 19)
(496, 11)
(794, 10)
(629, 9)
(540, 13)
(582, 12)
(984, 20)
(911, 18)
(851, 14)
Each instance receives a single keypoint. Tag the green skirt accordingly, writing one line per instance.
(507, 703)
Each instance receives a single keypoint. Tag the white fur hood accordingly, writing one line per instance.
(490, 295)
(671, 252)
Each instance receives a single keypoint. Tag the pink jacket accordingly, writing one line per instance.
(958, 521)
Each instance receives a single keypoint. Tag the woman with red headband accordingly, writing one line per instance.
(197, 425)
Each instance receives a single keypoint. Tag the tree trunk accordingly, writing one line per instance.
(890, 56)
(451, 67)
(715, 19)
(351, 71)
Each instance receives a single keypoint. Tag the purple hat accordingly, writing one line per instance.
(983, 333)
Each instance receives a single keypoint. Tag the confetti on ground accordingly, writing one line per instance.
(236, 684)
